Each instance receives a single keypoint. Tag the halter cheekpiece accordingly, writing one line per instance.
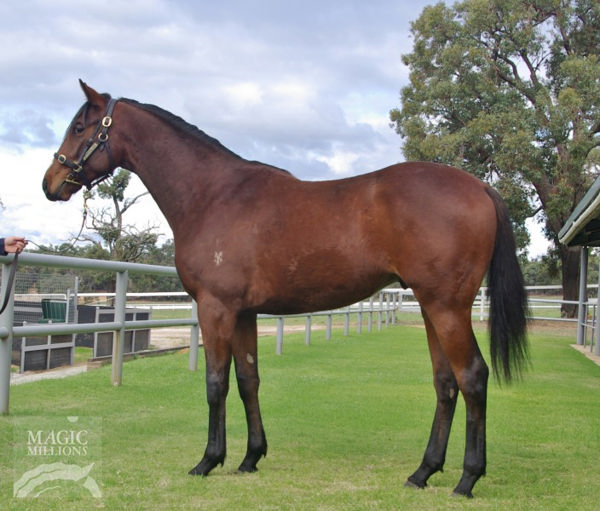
(99, 140)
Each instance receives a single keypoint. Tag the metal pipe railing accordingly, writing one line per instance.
(122, 269)
(388, 300)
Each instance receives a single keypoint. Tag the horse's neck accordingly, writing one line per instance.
(180, 172)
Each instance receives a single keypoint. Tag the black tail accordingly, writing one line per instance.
(508, 308)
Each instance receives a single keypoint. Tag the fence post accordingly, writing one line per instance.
(581, 312)
(347, 322)
(591, 325)
(597, 344)
(328, 331)
(380, 312)
(119, 335)
(279, 339)
(370, 318)
(307, 330)
(194, 339)
(482, 305)
(76, 301)
(6, 321)
(387, 309)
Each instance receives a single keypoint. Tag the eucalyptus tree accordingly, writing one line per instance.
(510, 91)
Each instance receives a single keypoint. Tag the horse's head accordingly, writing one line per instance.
(84, 157)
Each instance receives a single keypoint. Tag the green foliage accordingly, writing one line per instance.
(109, 231)
(539, 272)
(161, 255)
(96, 281)
(114, 188)
(510, 91)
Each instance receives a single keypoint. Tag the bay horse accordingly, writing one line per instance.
(251, 238)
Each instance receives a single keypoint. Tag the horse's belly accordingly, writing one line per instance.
(311, 293)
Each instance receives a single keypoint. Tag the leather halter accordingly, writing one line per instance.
(99, 140)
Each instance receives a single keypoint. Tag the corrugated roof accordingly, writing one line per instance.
(583, 226)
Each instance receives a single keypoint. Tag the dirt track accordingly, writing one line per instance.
(161, 338)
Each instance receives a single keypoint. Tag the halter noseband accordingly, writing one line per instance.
(98, 140)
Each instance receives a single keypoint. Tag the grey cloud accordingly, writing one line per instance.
(27, 127)
(189, 57)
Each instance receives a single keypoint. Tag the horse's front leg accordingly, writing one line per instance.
(217, 335)
(245, 355)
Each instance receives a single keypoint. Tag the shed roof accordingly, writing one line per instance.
(583, 226)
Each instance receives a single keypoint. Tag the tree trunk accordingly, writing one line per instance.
(570, 257)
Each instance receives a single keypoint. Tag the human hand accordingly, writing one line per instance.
(14, 244)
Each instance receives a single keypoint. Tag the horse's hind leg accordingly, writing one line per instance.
(453, 330)
(245, 355)
(447, 392)
(473, 384)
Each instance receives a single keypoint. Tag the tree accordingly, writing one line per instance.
(510, 91)
(123, 242)
(161, 255)
(94, 280)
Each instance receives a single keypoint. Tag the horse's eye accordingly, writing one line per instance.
(78, 129)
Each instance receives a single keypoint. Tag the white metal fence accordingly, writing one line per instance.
(8, 330)
(381, 309)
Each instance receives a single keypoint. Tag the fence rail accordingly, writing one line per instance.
(386, 306)
(122, 270)
(8, 330)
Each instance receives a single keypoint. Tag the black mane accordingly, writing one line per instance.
(180, 124)
(184, 126)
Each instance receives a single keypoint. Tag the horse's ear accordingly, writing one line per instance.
(92, 96)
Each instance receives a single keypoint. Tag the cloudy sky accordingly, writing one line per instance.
(304, 85)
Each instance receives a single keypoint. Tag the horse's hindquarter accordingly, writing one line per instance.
(444, 227)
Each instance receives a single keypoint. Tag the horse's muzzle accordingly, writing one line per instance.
(50, 196)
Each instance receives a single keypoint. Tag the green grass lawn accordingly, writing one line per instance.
(347, 421)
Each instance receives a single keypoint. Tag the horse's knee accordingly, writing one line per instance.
(217, 388)
(446, 388)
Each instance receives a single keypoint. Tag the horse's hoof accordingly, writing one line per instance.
(196, 471)
(413, 484)
(243, 469)
(467, 495)
(204, 467)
